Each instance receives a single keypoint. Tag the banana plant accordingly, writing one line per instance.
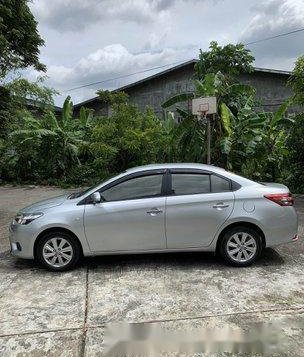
(209, 86)
(242, 133)
(229, 97)
(254, 137)
(59, 137)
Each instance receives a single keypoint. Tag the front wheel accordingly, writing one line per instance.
(58, 251)
(241, 246)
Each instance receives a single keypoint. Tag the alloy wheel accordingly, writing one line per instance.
(57, 252)
(241, 247)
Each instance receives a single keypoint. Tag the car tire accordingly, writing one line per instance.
(241, 246)
(58, 251)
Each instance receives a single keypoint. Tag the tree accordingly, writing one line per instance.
(15, 97)
(57, 138)
(111, 98)
(255, 142)
(5, 109)
(296, 135)
(296, 81)
(215, 75)
(126, 138)
(230, 60)
(19, 37)
(295, 161)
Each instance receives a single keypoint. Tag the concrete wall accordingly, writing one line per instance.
(156, 91)
(100, 109)
(271, 90)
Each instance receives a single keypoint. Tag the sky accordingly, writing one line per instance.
(95, 40)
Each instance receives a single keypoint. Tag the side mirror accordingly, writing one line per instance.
(96, 198)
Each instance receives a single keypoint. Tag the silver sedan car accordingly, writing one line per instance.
(158, 208)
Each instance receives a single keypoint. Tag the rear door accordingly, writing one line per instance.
(198, 204)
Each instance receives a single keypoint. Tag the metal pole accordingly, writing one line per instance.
(208, 141)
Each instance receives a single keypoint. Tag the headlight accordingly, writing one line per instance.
(26, 218)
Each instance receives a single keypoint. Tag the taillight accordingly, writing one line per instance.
(282, 199)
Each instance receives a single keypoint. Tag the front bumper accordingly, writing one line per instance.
(21, 240)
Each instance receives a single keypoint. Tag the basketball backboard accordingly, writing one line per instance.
(204, 106)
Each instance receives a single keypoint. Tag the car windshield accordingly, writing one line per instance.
(80, 193)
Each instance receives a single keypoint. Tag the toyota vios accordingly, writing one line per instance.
(158, 208)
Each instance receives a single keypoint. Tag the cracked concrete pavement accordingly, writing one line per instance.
(42, 313)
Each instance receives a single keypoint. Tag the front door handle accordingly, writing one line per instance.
(154, 211)
(219, 206)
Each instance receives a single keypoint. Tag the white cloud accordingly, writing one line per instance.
(75, 15)
(273, 17)
(93, 40)
(109, 62)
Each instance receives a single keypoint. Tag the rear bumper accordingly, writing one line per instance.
(282, 228)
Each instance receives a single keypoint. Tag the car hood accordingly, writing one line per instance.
(45, 204)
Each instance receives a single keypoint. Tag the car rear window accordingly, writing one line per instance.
(219, 184)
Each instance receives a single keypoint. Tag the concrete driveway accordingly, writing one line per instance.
(65, 314)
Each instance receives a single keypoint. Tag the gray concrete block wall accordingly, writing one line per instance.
(100, 108)
(156, 91)
(271, 89)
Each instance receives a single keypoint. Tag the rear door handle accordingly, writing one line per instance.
(154, 211)
(220, 206)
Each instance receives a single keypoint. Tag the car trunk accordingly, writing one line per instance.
(276, 186)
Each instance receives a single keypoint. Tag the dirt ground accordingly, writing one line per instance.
(67, 314)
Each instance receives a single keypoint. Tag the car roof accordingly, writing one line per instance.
(239, 179)
(195, 166)
(177, 165)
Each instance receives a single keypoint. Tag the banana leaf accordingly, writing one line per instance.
(225, 117)
(280, 113)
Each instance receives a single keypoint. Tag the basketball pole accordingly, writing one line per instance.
(208, 141)
(208, 128)
(203, 108)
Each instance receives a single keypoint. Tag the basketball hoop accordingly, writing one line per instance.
(204, 106)
(203, 109)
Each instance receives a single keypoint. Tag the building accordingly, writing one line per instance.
(154, 90)
(37, 109)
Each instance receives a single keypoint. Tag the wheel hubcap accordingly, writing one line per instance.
(57, 252)
(241, 247)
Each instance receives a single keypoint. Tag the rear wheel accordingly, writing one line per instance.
(241, 246)
(58, 251)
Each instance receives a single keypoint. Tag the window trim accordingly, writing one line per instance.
(128, 177)
(182, 172)
(224, 178)
(166, 189)
(232, 185)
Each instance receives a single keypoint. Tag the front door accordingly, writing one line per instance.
(197, 207)
(131, 217)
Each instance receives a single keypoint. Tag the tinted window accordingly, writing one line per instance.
(138, 187)
(187, 184)
(219, 184)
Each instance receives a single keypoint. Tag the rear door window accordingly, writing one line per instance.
(189, 184)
